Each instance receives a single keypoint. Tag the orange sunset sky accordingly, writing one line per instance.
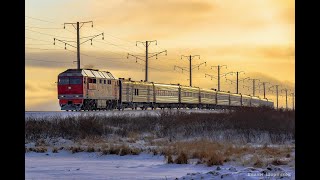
(255, 36)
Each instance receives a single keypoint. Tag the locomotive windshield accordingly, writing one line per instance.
(75, 80)
(66, 80)
(63, 81)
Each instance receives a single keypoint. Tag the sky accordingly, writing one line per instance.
(253, 36)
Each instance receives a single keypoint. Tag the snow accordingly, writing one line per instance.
(127, 112)
(84, 165)
(64, 165)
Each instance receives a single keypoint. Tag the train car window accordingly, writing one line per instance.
(104, 81)
(75, 81)
(92, 81)
(100, 81)
(136, 92)
(63, 81)
(109, 81)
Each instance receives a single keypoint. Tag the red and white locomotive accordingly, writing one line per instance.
(91, 89)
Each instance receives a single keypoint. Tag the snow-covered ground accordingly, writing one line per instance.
(42, 114)
(84, 165)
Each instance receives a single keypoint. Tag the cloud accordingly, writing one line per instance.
(272, 52)
(30, 87)
(159, 19)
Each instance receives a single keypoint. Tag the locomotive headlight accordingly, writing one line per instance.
(61, 96)
(77, 95)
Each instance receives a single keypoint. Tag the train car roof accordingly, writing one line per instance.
(188, 87)
(233, 94)
(163, 84)
(207, 90)
(222, 92)
(88, 73)
(255, 97)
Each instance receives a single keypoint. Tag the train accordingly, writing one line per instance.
(91, 89)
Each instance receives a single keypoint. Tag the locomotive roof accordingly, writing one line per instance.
(88, 72)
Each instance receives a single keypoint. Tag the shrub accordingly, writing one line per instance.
(257, 162)
(181, 159)
(278, 162)
(76, 149)
(169, 159)
(124, 150)
(90, 149)
(215, 159)
(54, 150)
(40, 149)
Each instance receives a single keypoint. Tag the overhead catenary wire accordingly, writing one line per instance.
(33, 27)
(48, 61)
(48, 34)
(39, 19)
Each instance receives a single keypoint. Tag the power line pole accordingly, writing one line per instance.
(277, 93)
(77, 27)
(238, 80)
(286, 90)
(78, 46)
(264, 89)
(292, 101)
(190, 57)
(219, 73)
(254, 86)
(146, 44)
(190, 66)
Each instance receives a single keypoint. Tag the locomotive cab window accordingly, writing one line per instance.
(63, 81)
(75, 80)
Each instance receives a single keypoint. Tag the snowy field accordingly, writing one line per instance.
(84, 165)
(41, 114)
